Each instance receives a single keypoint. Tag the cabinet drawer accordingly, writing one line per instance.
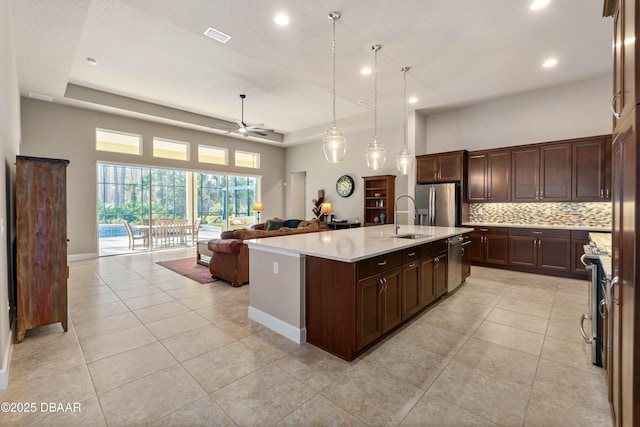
(540, 232)
(371, 266)
(429, 249)
(411, 254)
(492, 230)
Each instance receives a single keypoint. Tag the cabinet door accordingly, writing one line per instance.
(499, 176)
(525, 171)
(588, 171)
(555, 172)
(427, 291)
(410, 288)
(578, 240)
(427, 169)
(496, 249)
(554, 254)
(368, 320)
(466, 259)
(450, 167)
(391, 309)
(440, 274)
(476, 247)
(477, 177)
(523, 251)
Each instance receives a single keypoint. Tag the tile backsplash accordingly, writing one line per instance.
(595, 214)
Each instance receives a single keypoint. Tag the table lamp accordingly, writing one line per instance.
(326, 208)
(257, 207)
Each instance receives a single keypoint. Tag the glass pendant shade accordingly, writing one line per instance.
(376, 155)
(404, 162)
(334, 145)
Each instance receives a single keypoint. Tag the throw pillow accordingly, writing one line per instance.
(274, 225)
(227, 235)
(292, 223)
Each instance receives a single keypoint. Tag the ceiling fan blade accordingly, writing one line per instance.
(253, 132)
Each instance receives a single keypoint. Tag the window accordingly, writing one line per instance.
(247, 160)
(168, 149)
(215, 155)
(118, 142)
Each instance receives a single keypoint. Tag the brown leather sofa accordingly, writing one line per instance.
(230, 255)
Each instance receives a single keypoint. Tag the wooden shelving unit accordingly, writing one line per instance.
(379, 196)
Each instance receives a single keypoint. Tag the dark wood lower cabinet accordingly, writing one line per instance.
(579, 238)
(490, 245)
(349, 306)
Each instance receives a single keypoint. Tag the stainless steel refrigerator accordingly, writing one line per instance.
(438, 204)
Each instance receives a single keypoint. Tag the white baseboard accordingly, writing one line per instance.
(6, 361)
(296, 335)
(82, 257)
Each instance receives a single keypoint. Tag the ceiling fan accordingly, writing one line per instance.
(247, 129)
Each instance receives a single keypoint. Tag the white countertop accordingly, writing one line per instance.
(552, 227)
(353, 244)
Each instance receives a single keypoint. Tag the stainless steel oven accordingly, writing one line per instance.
(593, 332)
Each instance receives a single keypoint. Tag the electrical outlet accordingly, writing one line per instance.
(275, 267)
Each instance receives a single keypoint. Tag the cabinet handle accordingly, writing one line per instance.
(382, 263)
(413, 264)
(462, 251)
(381, 286)
(385, 284)
(484, 230)
(412, 254)
(534, 243)
(602, 193)
(536, 232)
(602, 308)
(606, 193)
(614, 282)
(539, 243)
(613, 105)
(435, 175)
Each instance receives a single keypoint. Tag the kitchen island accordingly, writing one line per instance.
(331, 287)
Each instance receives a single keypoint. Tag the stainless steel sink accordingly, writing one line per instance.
(413, 236)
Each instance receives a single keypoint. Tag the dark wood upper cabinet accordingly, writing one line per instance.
(442, 167)
(489, 176)
(591, 168)
(541, 173)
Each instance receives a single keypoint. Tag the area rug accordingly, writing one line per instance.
(189, 268)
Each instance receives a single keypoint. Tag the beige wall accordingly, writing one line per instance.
(9, 145)
(52, 130)
(571, 111)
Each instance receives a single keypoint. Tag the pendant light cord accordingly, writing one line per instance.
(375, 48)
(404, 104)
(333, 50)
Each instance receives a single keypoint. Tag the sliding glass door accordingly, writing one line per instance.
(141, 208)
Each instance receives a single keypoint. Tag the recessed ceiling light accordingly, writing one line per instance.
(217, 35)
(365, 102)
(413, 100)
(538, 4)
(550, 62)
(92, 61)
(365, 71)
(281, 20)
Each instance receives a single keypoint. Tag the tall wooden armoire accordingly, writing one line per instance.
(41, 243)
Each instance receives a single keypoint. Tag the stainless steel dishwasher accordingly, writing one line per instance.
(454, 273)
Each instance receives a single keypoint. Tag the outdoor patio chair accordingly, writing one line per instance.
(133, 236)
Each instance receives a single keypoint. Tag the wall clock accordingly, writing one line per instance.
(344, 186)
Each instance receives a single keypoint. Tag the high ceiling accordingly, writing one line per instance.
(461, 52)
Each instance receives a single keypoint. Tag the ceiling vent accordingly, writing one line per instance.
(40, 97)
(217, 35)
(365, 103)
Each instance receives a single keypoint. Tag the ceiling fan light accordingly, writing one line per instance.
(375, 155)
(404, 162)
(334, 145)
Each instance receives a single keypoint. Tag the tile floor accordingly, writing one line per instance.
(149, 347)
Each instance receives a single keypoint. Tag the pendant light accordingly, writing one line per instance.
(404, 162)
(334, 144)
(376, 154)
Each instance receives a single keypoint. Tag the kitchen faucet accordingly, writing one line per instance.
(395, 211)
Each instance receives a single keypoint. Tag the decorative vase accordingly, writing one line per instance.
(383, 217)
